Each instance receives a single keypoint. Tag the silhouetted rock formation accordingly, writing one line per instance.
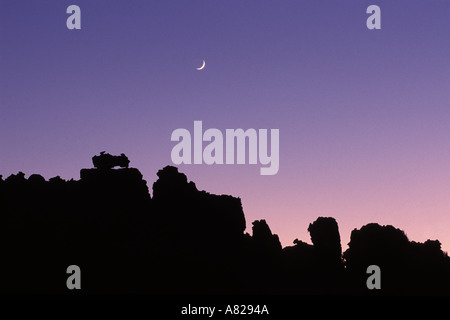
(188, 241)
(199, 231)
(408, 268)
(326, 240)
(317, 268)
(107, 161)
(263, 238)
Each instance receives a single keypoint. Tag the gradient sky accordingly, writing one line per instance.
(364, 116)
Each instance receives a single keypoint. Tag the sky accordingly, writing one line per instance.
(363, 115)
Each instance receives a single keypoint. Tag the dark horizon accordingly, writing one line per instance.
(184, 241)
(363, 114)
(37, 176)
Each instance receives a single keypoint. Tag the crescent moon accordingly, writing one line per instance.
(203, 65)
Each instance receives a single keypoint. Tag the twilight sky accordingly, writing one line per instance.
(364, 115)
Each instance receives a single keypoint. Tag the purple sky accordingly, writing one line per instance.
(364, 116)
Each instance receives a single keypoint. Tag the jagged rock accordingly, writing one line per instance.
(106, 161)
(188, 241)
(326, 239)
(408, 268)
(194, 214)
(263, 237)
(171, 182)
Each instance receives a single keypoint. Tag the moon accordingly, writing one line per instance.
(203, 65)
